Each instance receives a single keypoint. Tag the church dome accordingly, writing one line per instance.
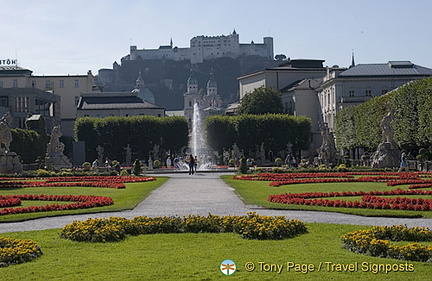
(145, 94)
(211, 82)
(141, 91)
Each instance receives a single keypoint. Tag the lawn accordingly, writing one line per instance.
(257, 192)
(124, 199)
(198, 257)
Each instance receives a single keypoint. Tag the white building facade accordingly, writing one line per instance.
(345, 87)
(282, 76)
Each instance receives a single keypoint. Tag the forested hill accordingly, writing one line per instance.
(166, 79)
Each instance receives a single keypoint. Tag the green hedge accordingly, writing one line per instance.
(249, 131)
(28, 144)
(140, 132)
(359, 126)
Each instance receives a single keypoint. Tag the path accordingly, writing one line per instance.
(201, 194)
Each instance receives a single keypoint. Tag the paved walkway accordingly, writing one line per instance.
(201, 194)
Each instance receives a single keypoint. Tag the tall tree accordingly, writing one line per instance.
(262, 100)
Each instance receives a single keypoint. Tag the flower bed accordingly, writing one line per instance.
(116, 182)
(376, 242)
(14, 251)
(251, 226)
(369, 199)
(82, 202)
(7, 201)
(391, 179)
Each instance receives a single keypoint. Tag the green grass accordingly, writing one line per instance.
(197, 257)
(257, 192)
(124, 199)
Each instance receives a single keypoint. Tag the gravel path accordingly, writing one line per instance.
(201, 194)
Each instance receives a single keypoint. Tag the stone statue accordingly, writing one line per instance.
(150, 163)
(327, 150)
(387, 129)
(262, 153)
(128, 152)
(9, 161)
(387, 153)
(5, 133)
(100, 152)
(54, 154)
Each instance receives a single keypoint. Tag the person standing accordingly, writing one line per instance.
(191, 165)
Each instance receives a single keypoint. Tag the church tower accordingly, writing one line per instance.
(191, 96)
(211, 85)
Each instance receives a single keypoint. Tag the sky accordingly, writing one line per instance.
(58, 37)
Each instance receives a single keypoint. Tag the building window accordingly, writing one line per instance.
(33, 84)
(15, 83)
(351, 93)
(21, 104)
(76, 83)
(61, 84)
(4, 101)
(76, 100)
(1, 84)
(368, 93)
(21, 122)
(190, 103)
(48, 85)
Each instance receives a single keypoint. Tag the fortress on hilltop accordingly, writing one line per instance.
(205, 48)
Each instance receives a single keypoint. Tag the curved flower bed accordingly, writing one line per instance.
(251, 226)
(369, 199)
(116, 182)
(376, 242)
(391, 179)
(14, 251)
(82, 202)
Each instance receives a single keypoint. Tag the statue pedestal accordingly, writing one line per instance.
(386, 156)
(10, 163)
(58, 161)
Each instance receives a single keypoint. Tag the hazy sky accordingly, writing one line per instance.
(74, 36)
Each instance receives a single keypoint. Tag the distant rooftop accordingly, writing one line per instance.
(392, 68)
(14, 70)
(303, 63)
(112, 100)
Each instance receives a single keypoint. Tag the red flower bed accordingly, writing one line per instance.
(116, 182)
(299, 181)
(369, 199)
(415, 186)
(7, 201)
(289, 176)
(82, 202)
(392, 179)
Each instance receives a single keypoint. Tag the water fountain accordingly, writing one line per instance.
(197, 142)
